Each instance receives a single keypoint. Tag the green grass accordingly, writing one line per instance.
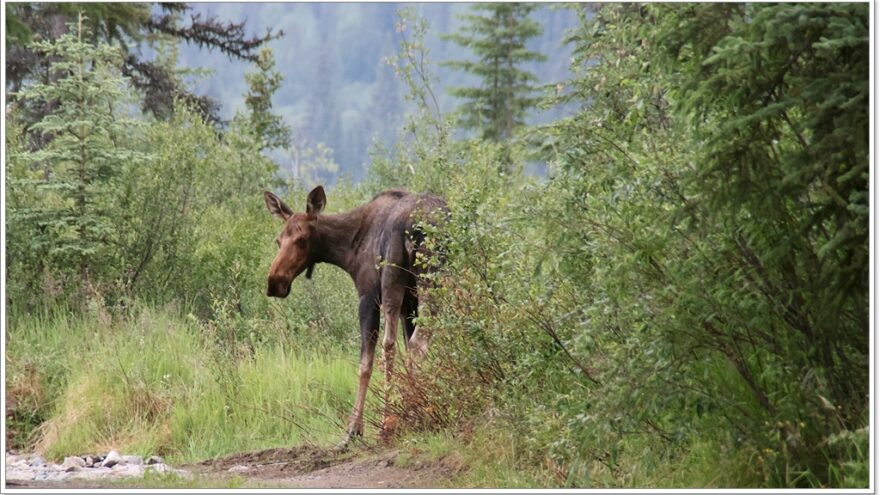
(171, 481)
(487, 459)
(154, 383)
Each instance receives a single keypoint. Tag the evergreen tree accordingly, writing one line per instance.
(498, 105)
(127, 25)
(270, 129)
(86, 131)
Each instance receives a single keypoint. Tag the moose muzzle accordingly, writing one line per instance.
(279, 286)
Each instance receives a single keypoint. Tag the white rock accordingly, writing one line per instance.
(113, 458)
(154, 459)
(238, 469)
(73, 463)
(90, 461)
(37, 461)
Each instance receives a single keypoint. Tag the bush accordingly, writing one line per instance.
(622, 317)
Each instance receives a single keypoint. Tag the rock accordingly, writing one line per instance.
(133, 459)
(73, 464)
(238, 469)
(154, 459)
(37, 461)
(113, 458)
(90, 461)
(75, 461)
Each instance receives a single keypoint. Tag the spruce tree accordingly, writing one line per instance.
(270, 129)
(86, 132)
(130, 26)
(498, 105)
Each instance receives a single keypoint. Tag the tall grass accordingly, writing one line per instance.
(158, 382)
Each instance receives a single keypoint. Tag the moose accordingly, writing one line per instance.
(377, 244)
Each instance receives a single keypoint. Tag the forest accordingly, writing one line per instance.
(654, 271)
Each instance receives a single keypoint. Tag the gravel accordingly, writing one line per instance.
(111, 465)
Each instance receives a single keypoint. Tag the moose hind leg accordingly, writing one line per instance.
(391, 304)
(409, 313)
(421, 336)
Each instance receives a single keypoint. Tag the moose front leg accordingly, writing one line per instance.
(369, 316)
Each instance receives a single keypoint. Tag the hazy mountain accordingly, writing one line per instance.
(337, 90)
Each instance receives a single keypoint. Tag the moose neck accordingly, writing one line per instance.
(334, 242)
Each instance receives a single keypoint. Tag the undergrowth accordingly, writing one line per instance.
(153, 382)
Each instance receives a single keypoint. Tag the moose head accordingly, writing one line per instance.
(296, 242)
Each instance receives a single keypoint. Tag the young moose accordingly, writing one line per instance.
(376, 244)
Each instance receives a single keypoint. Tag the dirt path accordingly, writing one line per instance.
(304, 467)
(311, 467)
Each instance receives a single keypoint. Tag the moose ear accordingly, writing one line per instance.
(276, 206)
(316, 201)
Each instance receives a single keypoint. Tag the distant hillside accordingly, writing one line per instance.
(337, 90)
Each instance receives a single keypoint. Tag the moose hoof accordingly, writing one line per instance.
(345, 443)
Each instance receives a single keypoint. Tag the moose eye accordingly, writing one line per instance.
(300, 241)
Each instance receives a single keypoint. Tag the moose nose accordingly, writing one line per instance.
(278, 287)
